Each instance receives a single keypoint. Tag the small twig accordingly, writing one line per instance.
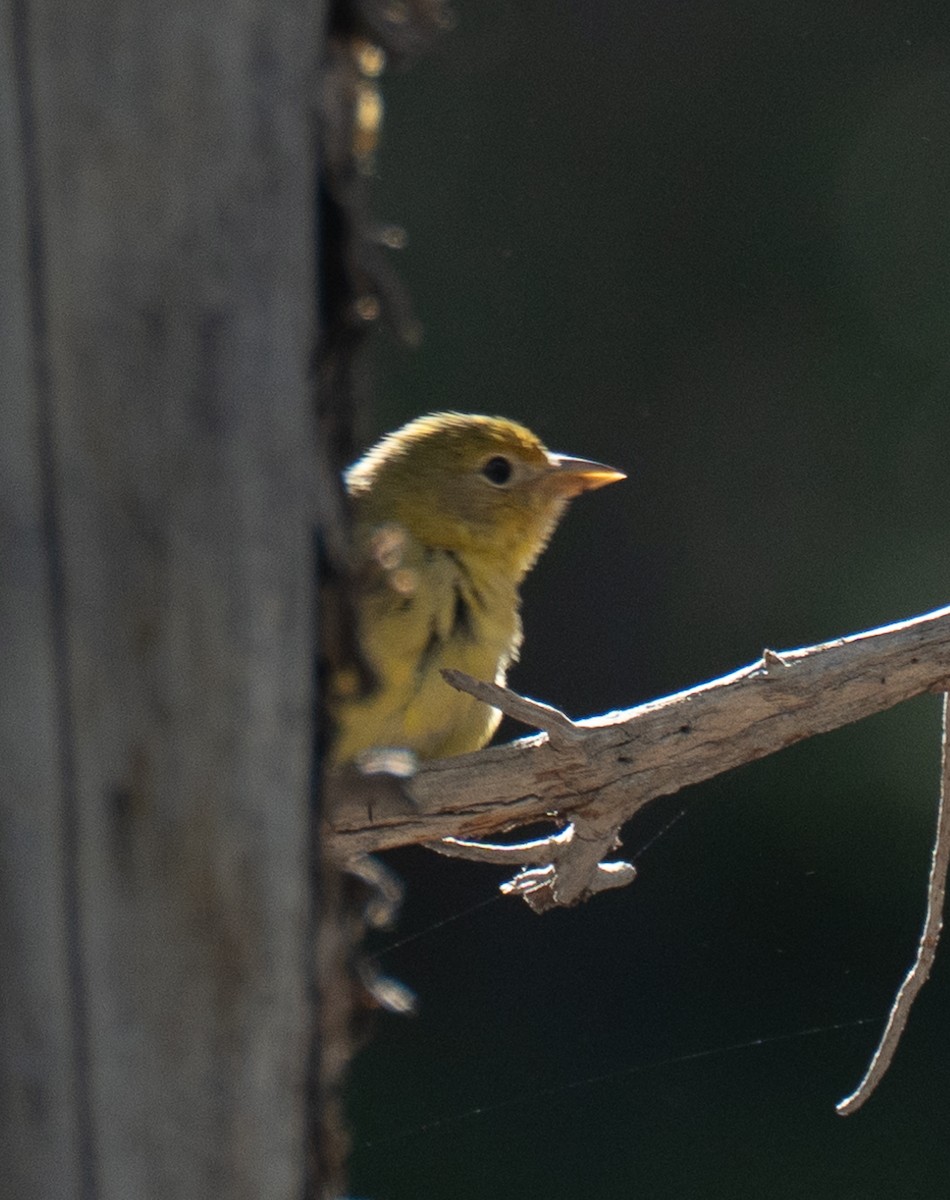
(557, 870)
(926, 948)
(561, 730)
(540, 852)
(538, 885)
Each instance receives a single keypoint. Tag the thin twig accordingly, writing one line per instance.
(561, 730)
(926, 949)
(567, 865)
(539, 852)
(539, 885)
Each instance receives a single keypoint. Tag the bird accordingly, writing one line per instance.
(449, 514)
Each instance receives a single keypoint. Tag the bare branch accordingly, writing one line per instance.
(624, 760)
(919, 973)
(606, 768)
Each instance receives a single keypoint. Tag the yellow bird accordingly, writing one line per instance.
(450, 512)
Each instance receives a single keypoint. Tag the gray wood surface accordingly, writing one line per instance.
(156, 597)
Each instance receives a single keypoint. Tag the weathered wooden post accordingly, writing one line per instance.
(157, 307)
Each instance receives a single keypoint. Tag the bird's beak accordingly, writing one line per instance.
(574, 475)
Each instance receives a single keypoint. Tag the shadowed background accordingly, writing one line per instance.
(709, 244)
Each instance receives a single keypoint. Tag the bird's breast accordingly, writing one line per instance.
(453, 615)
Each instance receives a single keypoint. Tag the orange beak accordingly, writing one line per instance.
(574, 475)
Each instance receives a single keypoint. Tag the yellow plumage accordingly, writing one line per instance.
(450, 513)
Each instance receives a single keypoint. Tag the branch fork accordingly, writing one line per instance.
(567, 867)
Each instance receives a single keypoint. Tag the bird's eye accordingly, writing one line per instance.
(497, 470)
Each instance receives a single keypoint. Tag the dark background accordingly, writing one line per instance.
(709, 244)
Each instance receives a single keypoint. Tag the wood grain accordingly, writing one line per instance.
(157, 313)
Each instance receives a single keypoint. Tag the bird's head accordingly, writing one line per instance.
(481, 487)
